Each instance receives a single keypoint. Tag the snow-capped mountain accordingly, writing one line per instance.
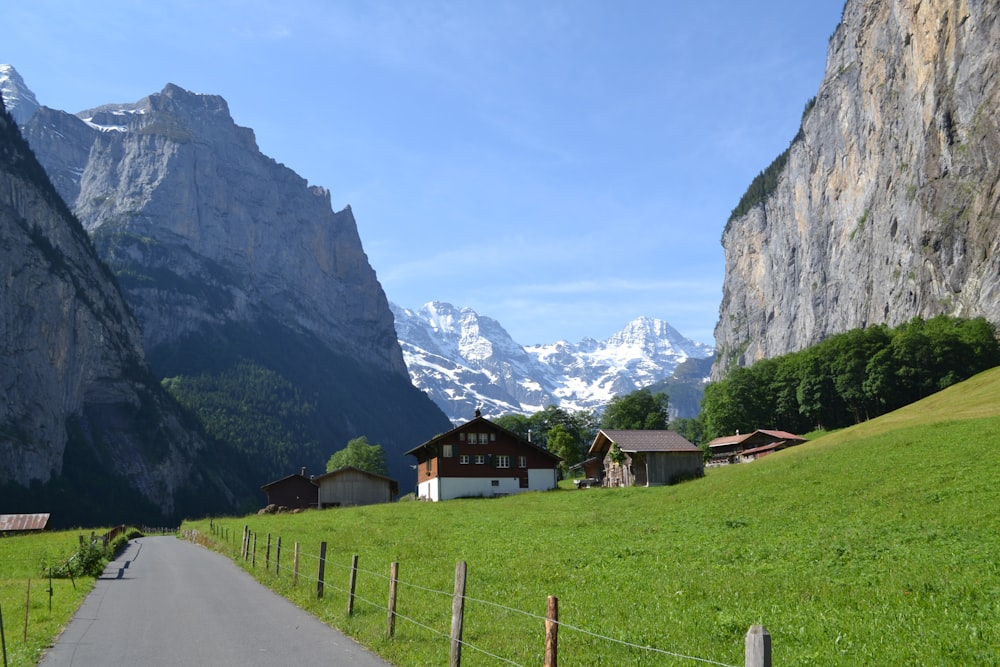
(17, 97)
(465, 361)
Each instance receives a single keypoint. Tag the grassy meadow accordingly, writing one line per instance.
(875, 545)
(21, 561)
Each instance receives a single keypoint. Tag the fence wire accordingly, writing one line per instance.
(466, 598)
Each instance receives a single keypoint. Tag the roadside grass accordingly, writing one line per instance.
(21, 560)
(875, 544)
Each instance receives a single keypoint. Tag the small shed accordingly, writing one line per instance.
(349, 486)
(294, 492)
(23, 523)
(646, 458)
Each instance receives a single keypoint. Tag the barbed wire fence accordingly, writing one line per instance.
(757, 640)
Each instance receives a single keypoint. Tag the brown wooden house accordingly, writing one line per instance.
(645, 458)
(294, 492)
(752, 446)
(351, 486)
(481, 459)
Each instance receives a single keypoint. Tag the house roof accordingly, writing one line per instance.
(738, 438)
(782, 435)
(284, 480)
(771, 446)
(642, 441)
(23, 522)
(473, 425)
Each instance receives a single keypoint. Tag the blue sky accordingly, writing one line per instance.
(561, 166)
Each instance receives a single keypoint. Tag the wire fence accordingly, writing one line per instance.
(757, 639)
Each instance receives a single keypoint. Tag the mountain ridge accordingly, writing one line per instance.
(466, 361)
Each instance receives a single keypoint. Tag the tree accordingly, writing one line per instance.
(359, 454)
(641, 410)
(562, 443)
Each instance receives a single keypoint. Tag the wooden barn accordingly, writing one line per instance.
(294, 492)
(350, 486)
(645, 458)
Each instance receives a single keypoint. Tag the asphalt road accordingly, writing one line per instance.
(165, 601)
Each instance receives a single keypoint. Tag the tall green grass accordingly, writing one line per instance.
(875, 545)
(24, 586)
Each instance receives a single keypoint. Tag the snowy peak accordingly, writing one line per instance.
(466, 361)
(17, 97)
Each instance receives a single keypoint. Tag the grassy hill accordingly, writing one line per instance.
(874, 545)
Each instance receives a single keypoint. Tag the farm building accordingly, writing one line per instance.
(752, 446)
(12, 524)
(294, 492)
(351, 486)
(481, 459)
(645, 458)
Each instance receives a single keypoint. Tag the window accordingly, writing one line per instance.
(522, 461)
(495, 482)
(464, 459)
(448, 451)
(480, 459)
(473, 438)
(461, 436)
(493, 437)
(430, 465)
(503, 461)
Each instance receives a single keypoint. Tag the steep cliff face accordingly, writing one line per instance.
(77, 394)
(887, 206)
(171, 185)
(254, 297)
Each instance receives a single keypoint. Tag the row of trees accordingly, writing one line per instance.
(850, 377)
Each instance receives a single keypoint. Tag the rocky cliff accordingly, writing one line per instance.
(885, 206)
(255, 298)
(86, 432)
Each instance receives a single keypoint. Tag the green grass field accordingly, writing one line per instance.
(874, 545)
(21, 559)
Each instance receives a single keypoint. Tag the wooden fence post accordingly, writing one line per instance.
(552, 632)
(3, 639)
(352, 585)
(267, 553)
(322, 569)
(295, 566)
(245, 549)
(27, 606)
(277, 558)
(457, 616)
(253, 554)
(391, 618)
(758, 647)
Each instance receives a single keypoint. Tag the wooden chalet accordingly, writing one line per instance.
(752, 446)
(645, 458)
(481, 459)
(351, 486)
(294, 492)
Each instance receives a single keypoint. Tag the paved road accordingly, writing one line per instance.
(168, 602)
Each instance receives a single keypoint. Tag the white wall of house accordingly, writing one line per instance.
(449, 488)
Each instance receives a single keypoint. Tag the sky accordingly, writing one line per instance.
(562, 166)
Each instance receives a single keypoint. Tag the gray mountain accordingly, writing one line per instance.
(86, 431)
(466, 361)
(886, 205)
(255, 299)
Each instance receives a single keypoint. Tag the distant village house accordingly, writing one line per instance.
(481, 459)
(643, 458)
(750, 447)
(345, 487)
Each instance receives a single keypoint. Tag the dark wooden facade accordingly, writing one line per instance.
(294, 492)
